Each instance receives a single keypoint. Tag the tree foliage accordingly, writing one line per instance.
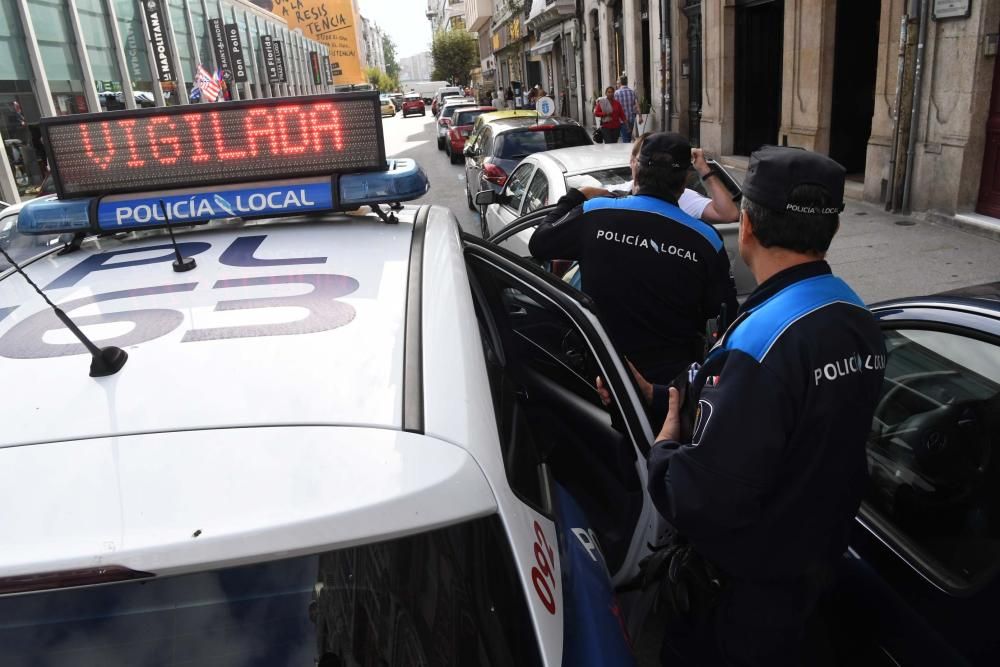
(389, 51)
(455, 54)
(381, 80)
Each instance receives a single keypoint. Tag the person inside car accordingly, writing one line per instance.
(655, 273)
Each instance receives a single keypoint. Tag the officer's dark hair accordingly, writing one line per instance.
(660, 181)
(801, 232)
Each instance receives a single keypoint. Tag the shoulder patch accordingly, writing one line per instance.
(764, 325)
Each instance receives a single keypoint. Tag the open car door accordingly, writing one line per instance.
(544, 349)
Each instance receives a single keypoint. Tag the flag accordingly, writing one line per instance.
(207, 84)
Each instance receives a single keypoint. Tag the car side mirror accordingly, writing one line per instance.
(487, 197)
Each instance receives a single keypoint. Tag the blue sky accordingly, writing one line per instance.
(403, 20)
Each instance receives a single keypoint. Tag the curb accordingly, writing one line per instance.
(973, 223)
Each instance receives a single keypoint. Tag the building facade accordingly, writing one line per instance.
(61, 57)
(417, 67)
(371, 37)
(836, 76)
(446, 14)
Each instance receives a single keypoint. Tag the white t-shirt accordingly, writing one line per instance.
(690, 202)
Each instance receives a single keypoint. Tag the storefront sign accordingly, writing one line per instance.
(314, 66)
(952, 9)
(270, 61)
(279, 60)
(328, 70)
(156, 23)
(218, 34)
(235, 45)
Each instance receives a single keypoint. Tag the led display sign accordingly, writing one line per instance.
(229, 142)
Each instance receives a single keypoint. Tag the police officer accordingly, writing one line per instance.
(655, 273)
(766, 486)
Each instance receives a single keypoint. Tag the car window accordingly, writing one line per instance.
(521, 143)
(485, 146)
(449, 111)
(517, 185)
(600, 178)
(450, 597)
(934, 450)
(538, 192)
(467, 117)
(541, 370)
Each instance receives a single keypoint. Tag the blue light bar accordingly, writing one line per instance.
(405, 181)
(54, 216)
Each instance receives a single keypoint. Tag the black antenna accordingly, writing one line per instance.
(181, 264)
(104, 360)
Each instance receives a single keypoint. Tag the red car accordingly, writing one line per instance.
(461, 126)
(413, 103)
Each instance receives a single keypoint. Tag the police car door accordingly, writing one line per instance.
(544, 349)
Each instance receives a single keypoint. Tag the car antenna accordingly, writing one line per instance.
(181, 264)
(104, 360)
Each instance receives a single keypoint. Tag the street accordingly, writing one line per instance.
(881, 255)
(415, 137)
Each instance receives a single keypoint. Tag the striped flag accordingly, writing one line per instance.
(207, 84)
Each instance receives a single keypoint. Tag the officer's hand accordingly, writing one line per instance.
(698, 159)
(645, 388)
(590, 192)
(672, 424)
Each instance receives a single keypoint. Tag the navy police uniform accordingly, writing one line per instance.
(655, 273)
(767, 488)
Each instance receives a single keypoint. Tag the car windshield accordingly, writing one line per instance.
(600, 178)
(451, 597)
(521, 143)
(449, 111)
(468, 117)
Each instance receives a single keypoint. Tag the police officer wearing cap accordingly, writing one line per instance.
(655, 273)
(765, 487)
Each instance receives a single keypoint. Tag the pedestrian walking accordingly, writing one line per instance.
(508, 98)
(610, 116)
(655, 273)
(763, 490)
(630, 104)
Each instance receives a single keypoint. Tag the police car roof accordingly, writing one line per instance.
(275, 399)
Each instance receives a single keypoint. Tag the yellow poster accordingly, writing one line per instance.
(336, 24)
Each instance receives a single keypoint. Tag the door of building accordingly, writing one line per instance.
(759, 33)
(989, 184)
(855, 64)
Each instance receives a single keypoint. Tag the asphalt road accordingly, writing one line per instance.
(415, 137)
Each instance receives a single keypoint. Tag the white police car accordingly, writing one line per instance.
(337, 440)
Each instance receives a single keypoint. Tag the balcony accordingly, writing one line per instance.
(545, 13)
(478, 14)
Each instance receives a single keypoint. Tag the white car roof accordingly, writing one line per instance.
(240, 377)
(588, 158)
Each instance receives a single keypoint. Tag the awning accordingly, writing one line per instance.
(547, 40)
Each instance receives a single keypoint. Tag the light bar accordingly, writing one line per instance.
(204, 144)
(404, 181)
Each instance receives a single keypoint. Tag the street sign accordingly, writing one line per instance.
(545, 106)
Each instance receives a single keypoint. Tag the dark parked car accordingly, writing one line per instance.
(920, 584)
(496, 149)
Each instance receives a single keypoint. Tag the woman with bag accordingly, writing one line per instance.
(610, 116)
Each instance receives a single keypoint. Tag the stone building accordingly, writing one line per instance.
(830, 76)
(371, 38)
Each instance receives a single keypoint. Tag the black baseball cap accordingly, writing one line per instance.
(774, 171)
(666, 149)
